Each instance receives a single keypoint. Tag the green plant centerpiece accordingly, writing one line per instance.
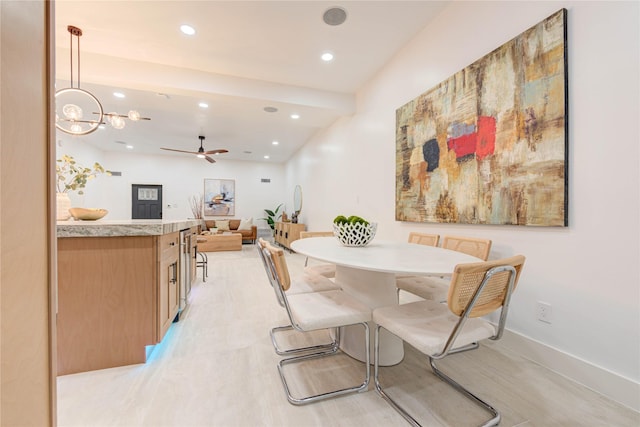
(353, 230)
(73, 177)
(272, 216)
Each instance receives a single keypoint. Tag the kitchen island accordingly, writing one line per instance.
(118, 289)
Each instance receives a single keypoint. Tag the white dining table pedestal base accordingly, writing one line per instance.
(375, 289)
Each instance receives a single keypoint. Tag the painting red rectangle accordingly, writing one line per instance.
(489, 144)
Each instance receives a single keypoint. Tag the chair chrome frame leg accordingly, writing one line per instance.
(313, 348)
(494, 421)
(310, 399)
(483, 404)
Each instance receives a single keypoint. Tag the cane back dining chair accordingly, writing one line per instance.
(424, 238)
(299, 284)
(326, 270)
(435, 288)
(434, 329)
(419, 239)
(313, 311)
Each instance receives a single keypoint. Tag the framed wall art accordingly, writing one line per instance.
(489, 144)
(219, 197)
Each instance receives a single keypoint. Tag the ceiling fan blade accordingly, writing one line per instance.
(220, 151)
(209, 159)
(179, 151)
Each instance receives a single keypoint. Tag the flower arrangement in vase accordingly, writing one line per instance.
(72, 177)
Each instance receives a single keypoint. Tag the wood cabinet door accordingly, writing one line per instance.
(279, 233)
(293, 233)
(168, 282)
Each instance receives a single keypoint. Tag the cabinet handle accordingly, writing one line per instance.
(174, 273)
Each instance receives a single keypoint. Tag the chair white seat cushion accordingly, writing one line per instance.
(329, 309)
(427, 325)
(428, 287)
(310, 283)
(326, 270)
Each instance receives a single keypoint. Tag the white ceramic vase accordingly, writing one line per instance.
(63, 203)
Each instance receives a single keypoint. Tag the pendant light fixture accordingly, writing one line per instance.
(78, 112)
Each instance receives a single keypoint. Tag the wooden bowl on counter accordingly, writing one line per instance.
(85, 214)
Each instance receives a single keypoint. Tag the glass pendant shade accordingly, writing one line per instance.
(134, 115)
(72, 105)
(116, 121)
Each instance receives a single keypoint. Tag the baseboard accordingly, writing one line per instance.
(615, 387)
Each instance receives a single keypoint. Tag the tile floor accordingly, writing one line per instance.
(216, 367)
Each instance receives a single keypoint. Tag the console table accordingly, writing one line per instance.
(287, 233)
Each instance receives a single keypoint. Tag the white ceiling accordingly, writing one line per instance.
(246, 55)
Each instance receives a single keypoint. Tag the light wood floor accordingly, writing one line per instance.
(216, 367)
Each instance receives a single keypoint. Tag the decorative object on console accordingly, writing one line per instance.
(354, 231)
(297, 203)
(201, 154)
(87, 214)
(219, 197)
(73, 103)
(489, 144)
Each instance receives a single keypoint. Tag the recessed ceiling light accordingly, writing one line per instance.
(327, 56)
(102, 127)
(129, 147)
(295, 116)
(187, 29)
(266, 157)
(118, 94)
(275, 143)
(203, 105)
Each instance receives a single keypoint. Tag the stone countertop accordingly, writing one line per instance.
(114, 228)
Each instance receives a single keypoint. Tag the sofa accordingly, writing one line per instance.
(249, 235)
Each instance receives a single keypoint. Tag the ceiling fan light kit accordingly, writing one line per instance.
(73, 102)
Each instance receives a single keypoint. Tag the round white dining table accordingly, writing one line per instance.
(369, 274)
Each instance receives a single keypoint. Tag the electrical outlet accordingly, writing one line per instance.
(543, 312)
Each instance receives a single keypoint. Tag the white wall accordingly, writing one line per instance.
(589, 271)
(180, 176)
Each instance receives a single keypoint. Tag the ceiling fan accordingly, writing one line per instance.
(200, 153)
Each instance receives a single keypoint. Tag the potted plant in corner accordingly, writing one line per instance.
(272, 216)
(72, 177)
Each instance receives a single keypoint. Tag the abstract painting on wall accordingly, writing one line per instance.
(489, 144)
(219, 197)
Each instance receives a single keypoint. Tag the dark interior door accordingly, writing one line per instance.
(146, 201)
